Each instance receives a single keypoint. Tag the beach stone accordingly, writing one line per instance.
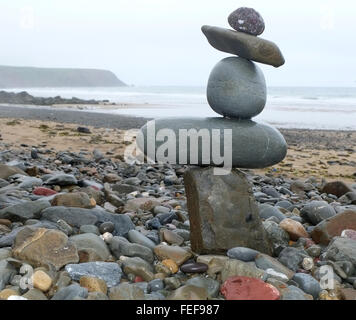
(62, 180)
(177, 254)
(42, 281)
(337, 188)
(138, 267)
(348, 294)
(90, 245)
(317, 211)
(189, 292)
(30, 182)
(245, 288)
(294, 228)
(244, 45)
(308, 284)
(194, 267)
(267, 211)
(230, 85)
(78, 217)
(155, 285)
(278, 236)
(71, 292)
(87, 228)
(75, 217)
(9, 239)
(171, 265)
(107, 227)
(247, 20)
(326, 230)
(110, 272)
(236, 268)
(126, 291)
(44, 247)
(6, 293)
(294, 293)
(74, 200)
(97, 296)
(8, 171)
(35, 294)
(292, 258)
(224, 215)
(351, 234)
(266, 262)
(254, 145)
(121, 247)
(172, 237)
(24, 211)
(172, 283)
(7, 271)
(5, 253)
(242, 254)
(93, 284)
(111, 178)
(145, 204)
(135, 236)
(342, 249)
(212, 286)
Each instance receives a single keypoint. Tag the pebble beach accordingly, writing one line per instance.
(123, 232)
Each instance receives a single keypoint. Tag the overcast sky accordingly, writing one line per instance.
(159, 42)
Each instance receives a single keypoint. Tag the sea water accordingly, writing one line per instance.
(287, 107)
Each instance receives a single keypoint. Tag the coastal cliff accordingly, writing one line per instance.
(26, 77)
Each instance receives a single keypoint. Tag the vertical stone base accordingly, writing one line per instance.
(223, 213)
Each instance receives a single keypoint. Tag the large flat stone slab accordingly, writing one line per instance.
(244, 45)
(253, 145)
(223, 213)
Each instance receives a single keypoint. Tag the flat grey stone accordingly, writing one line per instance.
(135, 236)
(308, 284)
(24, 211)
(253, 146)
(242, 254)
(71, 293)
(244, 45)
(110, 272)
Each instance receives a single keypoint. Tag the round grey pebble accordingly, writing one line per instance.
(237, 88)
(107, 227)
(155, 285)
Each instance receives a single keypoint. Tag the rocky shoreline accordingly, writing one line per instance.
(89, 226)
(24, 98)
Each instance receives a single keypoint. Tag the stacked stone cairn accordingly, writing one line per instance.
(222, 209)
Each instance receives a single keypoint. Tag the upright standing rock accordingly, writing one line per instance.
(223, 213)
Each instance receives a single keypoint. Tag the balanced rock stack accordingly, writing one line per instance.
(222, 209)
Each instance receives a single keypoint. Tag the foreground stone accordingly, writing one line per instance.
(223, 213)
(333, 227)
(244, 288)
(43, 247)
(189, 292)
(253, 145)
(110, 272)
(244, 45)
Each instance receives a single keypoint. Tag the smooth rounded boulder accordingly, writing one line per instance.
(237, 88)
(252, 146)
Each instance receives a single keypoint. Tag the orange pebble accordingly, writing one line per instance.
(171, 265)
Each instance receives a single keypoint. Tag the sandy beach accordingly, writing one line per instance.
(328, 155)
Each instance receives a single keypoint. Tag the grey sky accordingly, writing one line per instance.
(159, 42)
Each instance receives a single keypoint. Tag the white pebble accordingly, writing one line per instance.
(308, 264)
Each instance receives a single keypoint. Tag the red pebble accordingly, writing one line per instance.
(138, 279)
(244, 288)
(40, 191)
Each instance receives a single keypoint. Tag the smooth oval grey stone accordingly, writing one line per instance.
(237, 88)
(242, 254)
(254, 145)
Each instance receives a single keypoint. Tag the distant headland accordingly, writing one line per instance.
(27, 77)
